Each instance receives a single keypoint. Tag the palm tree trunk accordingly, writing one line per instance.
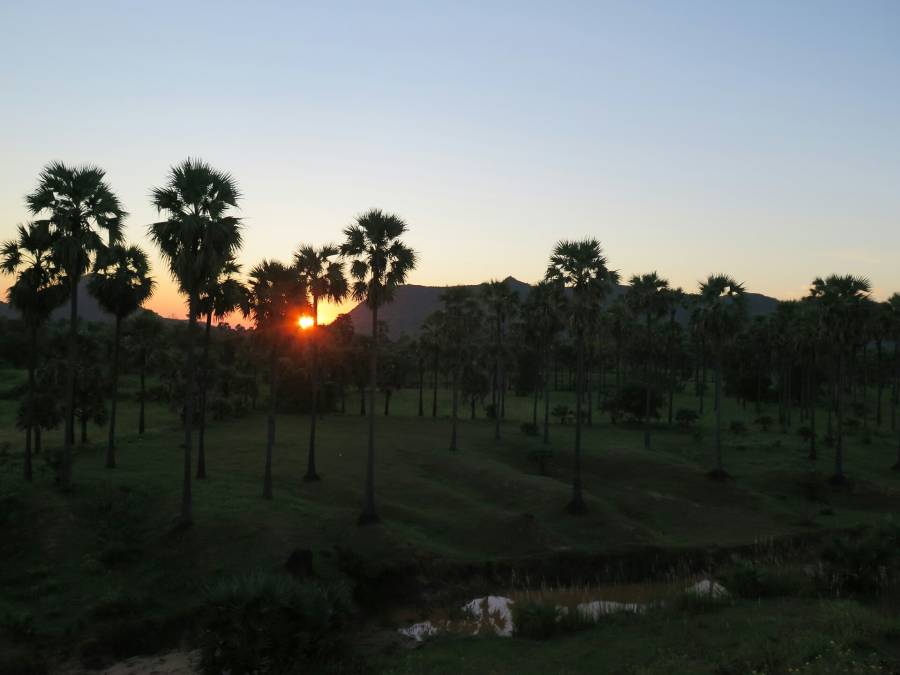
(720, 468)
(547, 360)
(362, 401)
(187, 517)
(647, 389)
(270, 436)
(369, 514)
(455, 415)
(387, 402)
(879, 370)
(311, 474)
(111, 445)
(534, 407)
(143, 391)
(27, 471)
(65, 466)
(421, 387)
(435, 389)
(839, 445)
(204, 383)
(813, 399)
(577, 505)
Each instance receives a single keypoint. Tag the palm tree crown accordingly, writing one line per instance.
(381, 261)
(121, 282)
(36, 291)
(199, 235)
(322, 273)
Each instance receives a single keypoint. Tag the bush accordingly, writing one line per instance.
(686, 417)
(865, 563)
(738, 428)
(751, 580)
(265, 623)
(806, 433)
(563, 413)
(21, 661)
(631, 401)
(529, 429)
(764, 422)
(539, 621)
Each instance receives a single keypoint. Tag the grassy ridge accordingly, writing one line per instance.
(72, 561)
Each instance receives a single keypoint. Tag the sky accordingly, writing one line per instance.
(761, 139)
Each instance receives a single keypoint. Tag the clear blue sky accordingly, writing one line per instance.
(761, 139)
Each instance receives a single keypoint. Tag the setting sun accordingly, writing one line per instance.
(305, 322)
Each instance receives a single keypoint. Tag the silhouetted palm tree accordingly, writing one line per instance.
(36, 292)
(461, 318)
(277, 300)
(380, 263)
(222, 296)
(675, 299)
(502, 303)
(324, 277)
(431, 342)
(543, 309)
(121, 284)
(80, 207)
(581, 267)
(721, 310)
(893, 303)
(145, 331)
(648, 296)
(197, 239)
(841, 300)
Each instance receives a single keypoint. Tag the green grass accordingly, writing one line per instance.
(69, 558)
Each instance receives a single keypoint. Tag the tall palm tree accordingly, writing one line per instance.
(893, 303)
(842, 306)
(648, 296)
(144, 331)
(80, 207)
(431, 339)
(277, 299)
(380, 263)
(35, 293)
(543, 309)
(461, 318)
(675, 299)
(197, 238)
(324, 277)
(721, 310)
(121, 284)
(222, 296)
(581, 267)
(502, 303)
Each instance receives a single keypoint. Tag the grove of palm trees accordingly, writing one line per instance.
(277, 496)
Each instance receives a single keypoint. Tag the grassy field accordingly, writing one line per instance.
(68, 558)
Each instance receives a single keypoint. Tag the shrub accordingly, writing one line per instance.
(563, 413)
(686, 417)
(764, 422)
(806, 433)
(265, 623)
(541, 456)
(529, 429)
(748, 579)
(738, 428)
(865, 563)
(21, 661)
(631, 401)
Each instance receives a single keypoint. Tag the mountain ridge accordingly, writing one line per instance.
(413, 303)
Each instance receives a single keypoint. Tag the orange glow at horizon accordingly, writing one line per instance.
(305, 322)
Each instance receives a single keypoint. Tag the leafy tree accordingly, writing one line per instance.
(35, 293)
(323, 275)
(380, 263)
(121, 284)
(277, 300)
(80, 207)
(197, 239)
(581, 267)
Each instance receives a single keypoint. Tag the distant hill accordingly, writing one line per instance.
(412, 304)
(88, 308)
